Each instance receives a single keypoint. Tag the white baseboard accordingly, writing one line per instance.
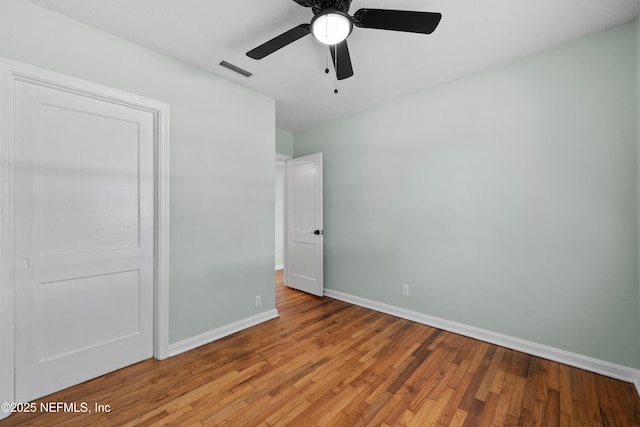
(602, 367)
(279, 267)
(216, 334)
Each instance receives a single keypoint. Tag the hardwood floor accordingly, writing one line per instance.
(327, 363)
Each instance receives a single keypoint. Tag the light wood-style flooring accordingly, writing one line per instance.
(324, 362)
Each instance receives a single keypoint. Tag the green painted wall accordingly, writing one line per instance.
(506, 200)
(284, 142)
(222, 169)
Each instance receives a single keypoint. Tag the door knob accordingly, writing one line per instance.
(318, 232)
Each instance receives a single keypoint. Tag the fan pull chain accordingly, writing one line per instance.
(326, 62)
(335, 50)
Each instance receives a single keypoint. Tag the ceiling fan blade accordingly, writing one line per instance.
(397, 20)
(305, 3)
(343, 66)
(279, 42)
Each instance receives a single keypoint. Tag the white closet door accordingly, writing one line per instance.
(84, 238)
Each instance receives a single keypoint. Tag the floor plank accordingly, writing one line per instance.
(324, 362)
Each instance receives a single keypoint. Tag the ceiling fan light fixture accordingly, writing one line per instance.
(331, 27)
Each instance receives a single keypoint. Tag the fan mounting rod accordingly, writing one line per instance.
(319, 6)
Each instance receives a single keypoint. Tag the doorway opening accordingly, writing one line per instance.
(280, 192)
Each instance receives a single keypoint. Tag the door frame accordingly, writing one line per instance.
(12, 72)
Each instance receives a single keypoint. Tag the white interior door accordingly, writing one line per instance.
(304, 224)
(84, 238)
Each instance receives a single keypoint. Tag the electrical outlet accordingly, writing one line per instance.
(258, 300)
(405, 290)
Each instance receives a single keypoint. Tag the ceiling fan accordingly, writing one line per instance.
(331, 25)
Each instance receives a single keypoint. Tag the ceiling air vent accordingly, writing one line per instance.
(236, 69)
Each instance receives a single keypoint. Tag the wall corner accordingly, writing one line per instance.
(637, 105)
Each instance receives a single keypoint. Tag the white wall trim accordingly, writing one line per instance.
(221, 332)
(6, 239)
(279, 267)
(162, 250)
(10, 72)
(602, 367)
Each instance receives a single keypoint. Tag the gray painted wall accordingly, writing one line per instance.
(222, 169)
(506, 200)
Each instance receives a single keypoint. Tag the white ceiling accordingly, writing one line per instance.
(473, 35)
